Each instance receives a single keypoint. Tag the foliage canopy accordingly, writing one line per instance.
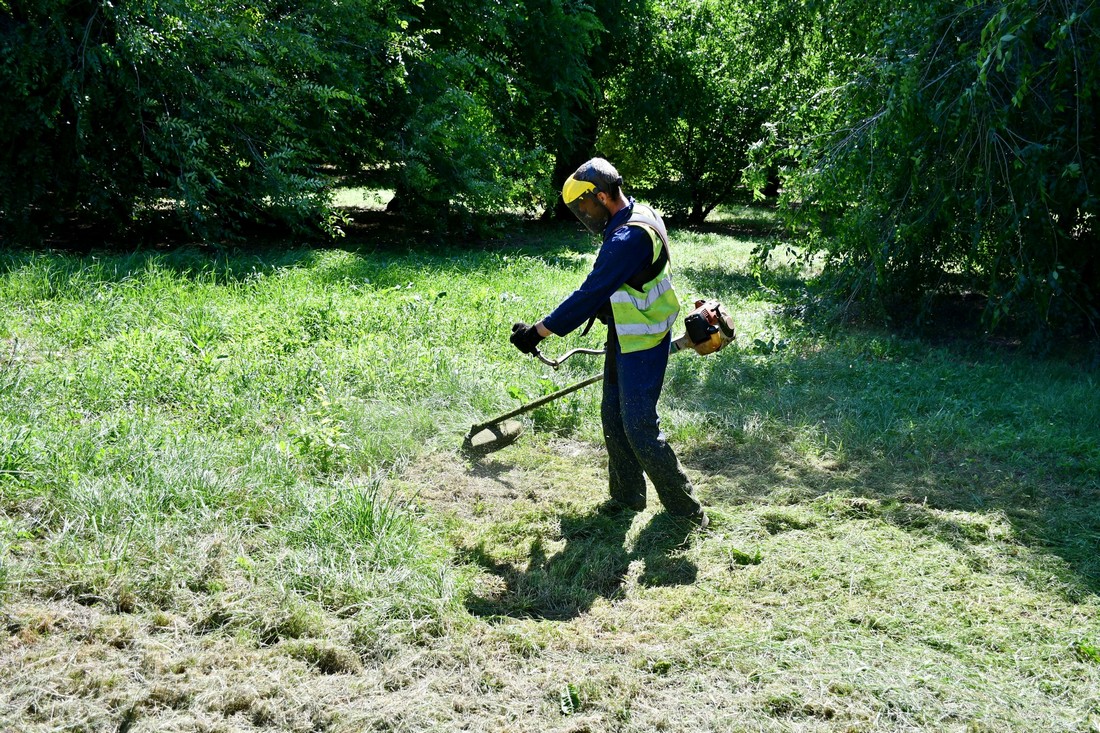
(958, 153)
(923, 147)
(703, 79)
(224, 113)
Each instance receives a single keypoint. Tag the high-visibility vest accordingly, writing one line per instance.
(644, 316)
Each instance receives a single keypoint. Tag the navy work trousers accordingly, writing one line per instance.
(635, 444)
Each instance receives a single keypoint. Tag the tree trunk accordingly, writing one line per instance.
(698, 212)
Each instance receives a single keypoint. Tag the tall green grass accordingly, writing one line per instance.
(198, 393)
(183, 431)
(179, 428)
(210, 439)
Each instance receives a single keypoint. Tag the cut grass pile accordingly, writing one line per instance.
(231, 499)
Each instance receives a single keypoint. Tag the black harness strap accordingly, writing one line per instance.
(647, 218)
(641, 216)
(644, 275)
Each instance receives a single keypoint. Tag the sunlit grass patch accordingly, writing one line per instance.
(236, 478)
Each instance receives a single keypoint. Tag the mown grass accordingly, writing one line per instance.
(225, 478)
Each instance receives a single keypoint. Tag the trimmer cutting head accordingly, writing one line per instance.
(491, 438)
(492, 435)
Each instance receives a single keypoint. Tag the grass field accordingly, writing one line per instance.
(231, 499)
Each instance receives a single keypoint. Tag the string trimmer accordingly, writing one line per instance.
(708, 328)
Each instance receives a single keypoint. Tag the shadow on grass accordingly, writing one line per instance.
(59, 269)
(592, 564)
(390, 258)
(382, 250)
(942, 442)
(930, 423)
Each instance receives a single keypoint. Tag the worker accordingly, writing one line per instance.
(629, 288)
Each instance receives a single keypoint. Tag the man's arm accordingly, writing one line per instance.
(626, 252)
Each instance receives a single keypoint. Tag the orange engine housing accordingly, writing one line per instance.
(709, 327)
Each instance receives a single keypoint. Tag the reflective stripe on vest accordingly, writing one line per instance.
(644, 317)
(646, 329)
(647, 301)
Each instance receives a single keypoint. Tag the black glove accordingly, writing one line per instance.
(525, 338)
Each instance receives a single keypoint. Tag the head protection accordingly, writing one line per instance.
(580, 189)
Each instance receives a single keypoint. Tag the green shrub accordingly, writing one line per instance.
(952, 155)
(223, 114)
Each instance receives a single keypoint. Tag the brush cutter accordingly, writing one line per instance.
(708, 328)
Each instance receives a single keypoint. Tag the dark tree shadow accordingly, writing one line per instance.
(593, 564)
(862, 380)
(661, 545)
(386, 252)
(916, 480)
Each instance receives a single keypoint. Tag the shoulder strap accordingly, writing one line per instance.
(646, 218)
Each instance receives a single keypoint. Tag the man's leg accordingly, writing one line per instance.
(625, 479)
(641, 377)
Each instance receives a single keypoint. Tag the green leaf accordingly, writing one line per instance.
(569, 699)
(1087, 651)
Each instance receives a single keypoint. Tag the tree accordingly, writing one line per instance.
(491, 94)
(958, 154)
(680, 119)
(223, 113)
(560, 49)
(609, 46)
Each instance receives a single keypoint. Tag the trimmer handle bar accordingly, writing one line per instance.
(561, 359)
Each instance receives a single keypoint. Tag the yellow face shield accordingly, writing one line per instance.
(580, 197)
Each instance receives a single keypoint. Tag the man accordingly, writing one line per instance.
(630, 287)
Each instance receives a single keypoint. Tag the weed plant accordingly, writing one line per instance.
(259, 452)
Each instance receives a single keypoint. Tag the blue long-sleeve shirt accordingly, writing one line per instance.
(624, 252)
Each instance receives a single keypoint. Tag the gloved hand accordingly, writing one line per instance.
(525, 338)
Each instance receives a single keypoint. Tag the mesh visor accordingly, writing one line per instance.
(580, 197)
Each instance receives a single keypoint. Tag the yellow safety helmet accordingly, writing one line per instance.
(580, 189)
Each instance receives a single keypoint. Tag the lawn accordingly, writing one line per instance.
(232, 499)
